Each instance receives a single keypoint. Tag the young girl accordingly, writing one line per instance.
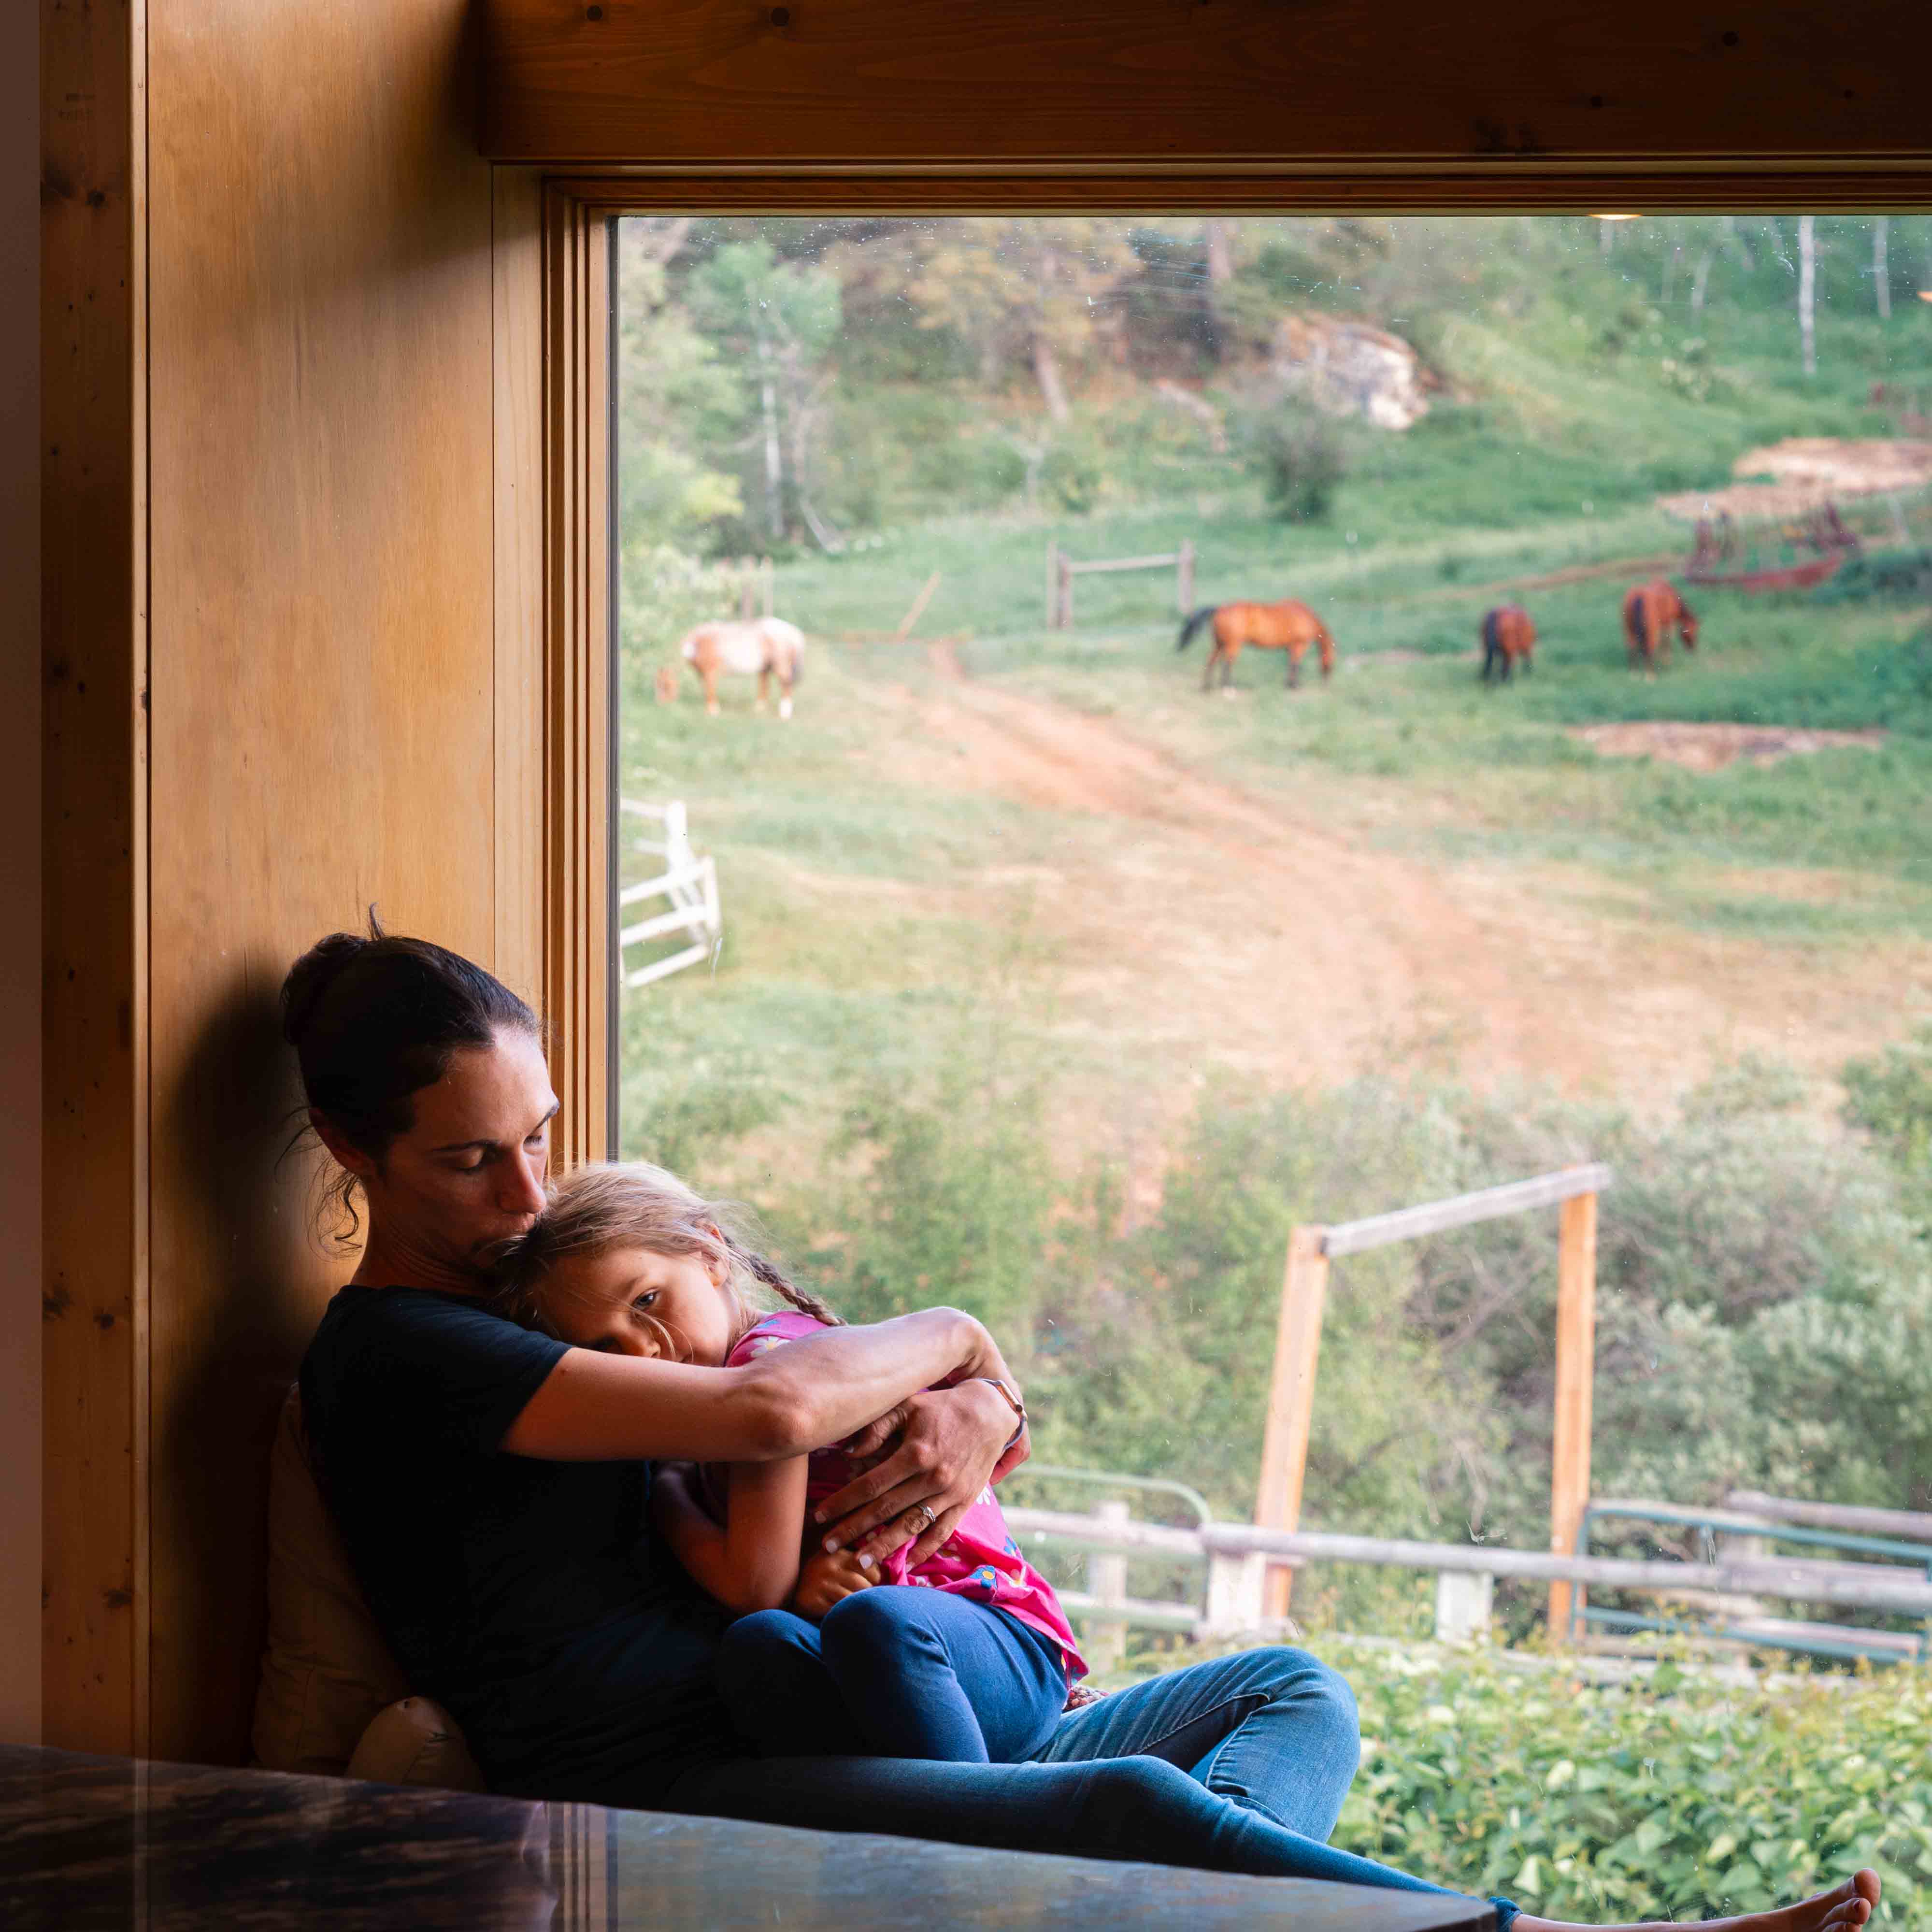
(965, 1656)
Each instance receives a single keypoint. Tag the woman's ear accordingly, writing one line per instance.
(342, 1152)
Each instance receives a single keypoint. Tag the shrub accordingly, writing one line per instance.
(1298, 460)
(1678, 1797)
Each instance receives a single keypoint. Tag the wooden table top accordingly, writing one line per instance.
(90, 1842)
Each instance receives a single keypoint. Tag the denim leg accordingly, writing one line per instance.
(925, 1674)
(1129, 1807)
(1272, 1729)
(772, 1679)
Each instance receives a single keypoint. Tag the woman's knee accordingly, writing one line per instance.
(1284, 1676)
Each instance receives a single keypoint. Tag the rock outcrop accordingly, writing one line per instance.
(1349, 368)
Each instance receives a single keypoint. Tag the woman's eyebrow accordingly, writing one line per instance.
(494, 1147)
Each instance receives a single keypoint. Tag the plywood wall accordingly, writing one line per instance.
(323, 706)
(324, 731)
(20, 886)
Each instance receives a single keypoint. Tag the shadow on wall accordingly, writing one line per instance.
(225, 1348)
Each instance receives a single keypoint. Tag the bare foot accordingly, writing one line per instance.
(1845, 1906)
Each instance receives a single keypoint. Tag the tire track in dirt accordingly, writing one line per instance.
(1228, 932)
(1332, 949)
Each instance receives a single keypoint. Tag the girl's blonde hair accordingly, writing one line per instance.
(632, 1204)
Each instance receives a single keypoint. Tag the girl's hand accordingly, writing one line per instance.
(825, 1579)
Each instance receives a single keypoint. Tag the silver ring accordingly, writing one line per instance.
(921, 1510)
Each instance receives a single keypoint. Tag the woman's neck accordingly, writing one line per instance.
(387, 1263)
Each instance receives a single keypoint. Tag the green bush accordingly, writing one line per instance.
(1298, 460)
(1680, 1797)
(1890, 1097)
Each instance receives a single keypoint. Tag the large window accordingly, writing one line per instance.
(1019, 967)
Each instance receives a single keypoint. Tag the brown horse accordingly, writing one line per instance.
(1288, 626)
(1507, 634)
(1649, 612)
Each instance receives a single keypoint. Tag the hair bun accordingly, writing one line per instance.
(310, 977)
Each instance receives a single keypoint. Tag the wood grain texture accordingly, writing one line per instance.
(576, 649)
(1290, 1410)
(94, 187)
(323, 724)
(518, 355)
(1261, 83)
(1576, 1377)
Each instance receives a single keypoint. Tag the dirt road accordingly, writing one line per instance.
(1199, 919)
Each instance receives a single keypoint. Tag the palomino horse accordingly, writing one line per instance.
(1288, 626)
(1649, 611)
(1507, 634)
(764, 648)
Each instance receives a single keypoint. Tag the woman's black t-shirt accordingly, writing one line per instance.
(532, 1599)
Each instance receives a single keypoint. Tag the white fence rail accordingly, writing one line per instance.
(1234, 1555)
(689, 882)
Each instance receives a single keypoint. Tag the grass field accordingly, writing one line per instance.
(920, 821)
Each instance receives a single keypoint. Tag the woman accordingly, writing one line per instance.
(490, 1483)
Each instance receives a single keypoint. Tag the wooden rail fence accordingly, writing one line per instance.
(1298, 1340)
(1061, 570)
(1231, 1602)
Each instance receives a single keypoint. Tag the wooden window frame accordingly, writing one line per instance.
(579, 212)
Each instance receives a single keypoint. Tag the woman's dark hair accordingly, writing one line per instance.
(374, 1021)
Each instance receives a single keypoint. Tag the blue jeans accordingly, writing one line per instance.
(1237, 1766)
(895, 1671)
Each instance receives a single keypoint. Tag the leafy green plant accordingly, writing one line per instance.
(1676, 1797)
(1299, 461)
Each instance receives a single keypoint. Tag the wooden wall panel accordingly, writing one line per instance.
(95, 1603)
(1238, 84)
(323, 705)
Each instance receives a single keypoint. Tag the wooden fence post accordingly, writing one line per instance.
(1104, 1645)
(1052, 585)
(1065, 593)
(1297, 1344)
(746, 569)
(1183, 590)
(1576, 1361)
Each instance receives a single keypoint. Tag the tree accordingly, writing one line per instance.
(1882, 265)
(1023, 290)
(1807, 292)
(779, 320)
(674, 398)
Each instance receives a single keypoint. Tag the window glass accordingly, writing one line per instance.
(1139, 734)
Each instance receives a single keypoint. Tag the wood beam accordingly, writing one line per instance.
(1593, 86)
(1576, 1369)
(1290, 1411)
(93, 475)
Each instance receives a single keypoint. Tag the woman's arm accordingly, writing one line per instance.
(596, 1407)
(751, 1562)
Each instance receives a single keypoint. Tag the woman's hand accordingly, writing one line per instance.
(826, 1577)
(949, 1442)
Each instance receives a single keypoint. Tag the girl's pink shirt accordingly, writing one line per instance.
(980, 1559)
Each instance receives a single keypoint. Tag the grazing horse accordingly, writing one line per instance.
(1288, 626)
(1507, 634)
(1649, 611)
(764, 648)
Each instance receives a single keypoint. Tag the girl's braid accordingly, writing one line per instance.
(803, 1300)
